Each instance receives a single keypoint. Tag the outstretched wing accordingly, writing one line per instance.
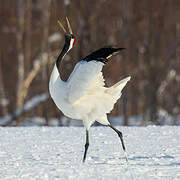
(85, 77)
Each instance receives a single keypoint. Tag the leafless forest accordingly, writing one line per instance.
(30, 40)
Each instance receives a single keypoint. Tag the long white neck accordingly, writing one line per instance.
(56, 83)
(54, 75)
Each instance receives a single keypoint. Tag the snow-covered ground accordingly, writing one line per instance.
(56, 153)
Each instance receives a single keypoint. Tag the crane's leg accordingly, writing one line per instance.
(121, 138)
(86, 145)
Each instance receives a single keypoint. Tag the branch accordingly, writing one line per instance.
(38, 65)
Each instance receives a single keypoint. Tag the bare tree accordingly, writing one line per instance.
(3, 98)
(28, 34)
(20, 53)
(46, 4)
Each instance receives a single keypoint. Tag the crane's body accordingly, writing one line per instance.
(84, 95)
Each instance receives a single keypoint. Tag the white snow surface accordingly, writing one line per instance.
(48, 153)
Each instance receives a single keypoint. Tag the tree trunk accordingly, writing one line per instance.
(125, 32)
(28, 30)
(3, 98)
(20, 33)
(44, 47)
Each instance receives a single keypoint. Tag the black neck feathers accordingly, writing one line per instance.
(61, 55)
(63, 52)
(102, 54)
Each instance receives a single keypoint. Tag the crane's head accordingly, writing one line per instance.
(70, 39)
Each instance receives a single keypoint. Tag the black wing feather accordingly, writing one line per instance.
(102, 54)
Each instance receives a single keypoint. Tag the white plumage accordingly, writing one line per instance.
(84, 96)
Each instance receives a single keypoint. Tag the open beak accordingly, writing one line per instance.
(68, 24)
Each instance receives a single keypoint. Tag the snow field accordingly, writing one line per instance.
(50, 153)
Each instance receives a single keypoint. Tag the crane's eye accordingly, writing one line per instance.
(74, 42)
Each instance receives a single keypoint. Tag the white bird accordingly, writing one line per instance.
(84, 95)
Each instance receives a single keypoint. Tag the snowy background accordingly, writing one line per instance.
(48, 153)
(138, 120)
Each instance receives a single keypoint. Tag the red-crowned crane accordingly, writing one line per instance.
(84, 95)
